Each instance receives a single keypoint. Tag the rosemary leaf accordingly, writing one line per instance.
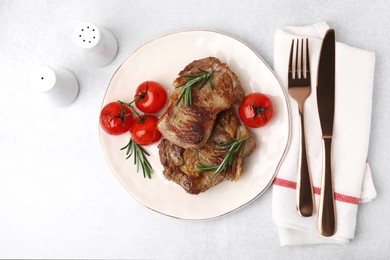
(139, 154)
(232, 147)
(193, 80)
(144, 151)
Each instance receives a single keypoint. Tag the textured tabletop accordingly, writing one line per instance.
(58, 197)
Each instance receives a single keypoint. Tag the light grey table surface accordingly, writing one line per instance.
(58, 198)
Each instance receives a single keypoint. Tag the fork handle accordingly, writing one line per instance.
(305, 195)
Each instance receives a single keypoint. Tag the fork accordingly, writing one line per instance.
(299, 88)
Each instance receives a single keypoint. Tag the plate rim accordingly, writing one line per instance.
(288, 118)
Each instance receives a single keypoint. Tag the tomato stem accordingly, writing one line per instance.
(136, 99)
(141, 118)
(259, 111)
(142, 95)
(122, 114)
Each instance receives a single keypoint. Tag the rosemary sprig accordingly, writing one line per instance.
(232, 147)
(192, 81)
(139, 157)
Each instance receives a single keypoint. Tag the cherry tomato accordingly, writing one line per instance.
(115, 118)
(144, 130)
(150, 97)
(255, 110)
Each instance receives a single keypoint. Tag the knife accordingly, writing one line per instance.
(325, 101)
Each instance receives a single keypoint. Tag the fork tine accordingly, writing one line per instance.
(307, 59)
(290, 61)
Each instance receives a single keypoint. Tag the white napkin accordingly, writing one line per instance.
(351, 172)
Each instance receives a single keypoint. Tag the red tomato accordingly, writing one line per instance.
(115, 118)
(255, 110)
(150, 97)
(144, 130)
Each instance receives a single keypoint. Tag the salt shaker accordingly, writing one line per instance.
(99, 46)
(56, 87)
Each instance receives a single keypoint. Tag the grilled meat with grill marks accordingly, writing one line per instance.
(190, 127)
(180, 164)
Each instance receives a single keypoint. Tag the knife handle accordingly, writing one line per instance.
(327, 211)
(305, 195)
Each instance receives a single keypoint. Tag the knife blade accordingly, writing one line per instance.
(325, 101)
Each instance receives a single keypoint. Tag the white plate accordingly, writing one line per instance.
(161, 60)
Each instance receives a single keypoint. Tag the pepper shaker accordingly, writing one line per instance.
(99, 46)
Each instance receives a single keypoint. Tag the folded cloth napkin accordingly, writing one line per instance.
(351, 172)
